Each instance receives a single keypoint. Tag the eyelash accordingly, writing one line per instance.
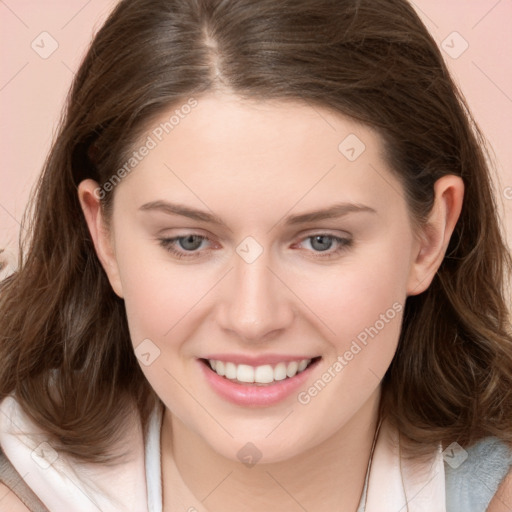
(169, 245)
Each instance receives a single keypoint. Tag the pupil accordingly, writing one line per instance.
(190, 239)
(322, 239)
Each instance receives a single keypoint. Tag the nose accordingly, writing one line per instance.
(256, 304)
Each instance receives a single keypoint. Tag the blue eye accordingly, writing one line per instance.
(187, 246)
(322, 243)
(190, 242)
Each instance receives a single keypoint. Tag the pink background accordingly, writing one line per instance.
(33, 89)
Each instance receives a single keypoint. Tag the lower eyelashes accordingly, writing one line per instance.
(170, 245)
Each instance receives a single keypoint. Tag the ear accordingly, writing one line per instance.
(435, 235)
(89, 197)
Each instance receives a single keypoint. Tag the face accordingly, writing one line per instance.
(219, 257)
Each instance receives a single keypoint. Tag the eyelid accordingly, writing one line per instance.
(343, 244)
(323, 231)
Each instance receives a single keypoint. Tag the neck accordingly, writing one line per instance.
(329, 476)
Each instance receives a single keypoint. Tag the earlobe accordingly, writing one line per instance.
(101, 236)
(436, 234)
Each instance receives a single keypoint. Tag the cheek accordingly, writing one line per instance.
(162, 304)
(346, 297)
(155, 300)
(353, 296)
(158, 293)
(360, 304)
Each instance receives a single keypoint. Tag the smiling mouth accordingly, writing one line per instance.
(263, 375)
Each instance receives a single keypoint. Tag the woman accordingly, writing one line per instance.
(255, 280)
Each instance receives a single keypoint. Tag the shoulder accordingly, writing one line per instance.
(478, 474)
(9, 502)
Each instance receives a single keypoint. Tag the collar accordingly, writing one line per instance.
(393, 482)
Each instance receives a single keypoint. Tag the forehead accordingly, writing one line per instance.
(259, 155)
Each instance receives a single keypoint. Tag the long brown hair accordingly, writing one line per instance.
(64, 342)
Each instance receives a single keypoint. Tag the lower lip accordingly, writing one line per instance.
(253, 394)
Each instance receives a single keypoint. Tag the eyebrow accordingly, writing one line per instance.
(335, 211)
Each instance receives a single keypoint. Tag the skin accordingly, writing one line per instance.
(252, 164)
(9, 502)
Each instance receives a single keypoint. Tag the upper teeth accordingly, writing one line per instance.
(259, 374)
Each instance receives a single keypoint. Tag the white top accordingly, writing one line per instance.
(62, 484)
(153, 464)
